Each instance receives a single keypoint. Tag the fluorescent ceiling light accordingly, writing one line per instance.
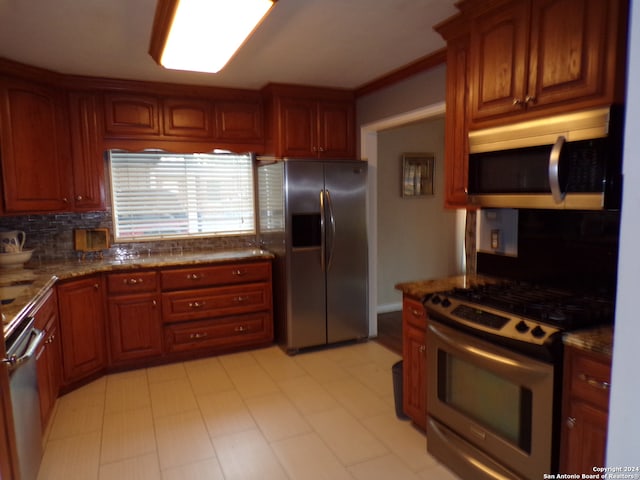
(202, 35)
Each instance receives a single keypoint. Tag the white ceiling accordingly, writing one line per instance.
(336, 43)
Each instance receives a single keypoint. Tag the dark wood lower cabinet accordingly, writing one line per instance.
(48, 356)
(414, 372)
(585, 416)
(82, 326)
(135, 327)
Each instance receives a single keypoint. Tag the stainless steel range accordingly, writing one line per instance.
(494, 367)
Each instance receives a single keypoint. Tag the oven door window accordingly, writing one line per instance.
(495, 402)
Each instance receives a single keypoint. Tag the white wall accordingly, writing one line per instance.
(419, 97)
(416, 235)
(623, 445)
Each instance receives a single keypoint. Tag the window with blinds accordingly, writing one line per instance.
(158, 195)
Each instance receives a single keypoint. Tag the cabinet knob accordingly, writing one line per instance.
(79, 198)
(196, 304)
(65, 200)
(592, 382)
(194, 276)
(321, 149)
(196, 336)
(529, 99)
(154, 303)
(571, 422)
(518, 102)
(416, 313)
(133, 281)
(96, 286)
(241, 299)
(241, 329)
(238, 273)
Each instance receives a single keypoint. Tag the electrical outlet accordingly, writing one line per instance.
(495, 239)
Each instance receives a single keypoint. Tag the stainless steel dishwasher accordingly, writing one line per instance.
(22, 344)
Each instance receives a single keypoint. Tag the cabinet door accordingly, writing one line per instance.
(499, 60)
(48, 357)
(85, 120)
(336, 136)
(239, 122)
(568, 50)
(82, 326)
(586, 438)
(414, 389)
(456, 128)
(187, 118)
(298, 132)
(131, 116)
(414, 355)
(34, 145)
(135, 327)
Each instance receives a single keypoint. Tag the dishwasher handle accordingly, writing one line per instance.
(14, 361)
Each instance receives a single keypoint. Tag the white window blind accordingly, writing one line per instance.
(159, 195)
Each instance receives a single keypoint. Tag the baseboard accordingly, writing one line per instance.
(389, 307)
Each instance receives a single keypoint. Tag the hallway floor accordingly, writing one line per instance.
(261, 414)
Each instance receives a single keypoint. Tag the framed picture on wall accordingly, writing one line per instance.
(417, 174)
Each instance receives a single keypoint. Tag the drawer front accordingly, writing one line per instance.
(132, 282)
(215, 302)
(240, 330)
(590, 379)
(413, 313)
(198, 277)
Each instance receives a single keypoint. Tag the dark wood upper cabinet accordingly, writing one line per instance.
(528, 56)
(34, 140)
(239, 121)
(87, 153)
(187, 118)
(131, 115)
(310, 122)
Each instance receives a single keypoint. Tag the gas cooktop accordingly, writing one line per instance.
(520, 311)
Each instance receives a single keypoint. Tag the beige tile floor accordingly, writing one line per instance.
(254, 415)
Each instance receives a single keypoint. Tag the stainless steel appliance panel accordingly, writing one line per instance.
(347, 267)
(25, 399)
(312, 217)
(306, 307)
(496, 401)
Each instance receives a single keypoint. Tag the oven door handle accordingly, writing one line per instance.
(460, 343)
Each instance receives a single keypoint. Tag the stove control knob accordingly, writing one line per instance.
(436, 299)
(538, 332)
(446, 302)
(522, 327)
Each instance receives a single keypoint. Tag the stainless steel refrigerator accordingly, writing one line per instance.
(312, 216)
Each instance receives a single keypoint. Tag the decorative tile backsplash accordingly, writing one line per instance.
(52, 237)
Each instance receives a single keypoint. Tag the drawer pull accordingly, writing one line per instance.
(422, 349)
(197, 336)
(238, 272)
(240, 299)
(571, 422)
(241, 329)
(194, 276)
(592, 382)
(133, 281)
(196, 304)
(416, 313)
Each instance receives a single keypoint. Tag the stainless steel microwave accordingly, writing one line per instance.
(569, 161)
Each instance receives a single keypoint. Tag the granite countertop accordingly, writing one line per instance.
(45, 275)
(597, 339)
(420, 288)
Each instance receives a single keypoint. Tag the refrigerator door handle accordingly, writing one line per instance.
(322, 231)
(332, 221)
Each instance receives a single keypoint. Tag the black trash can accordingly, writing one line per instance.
(396, 371)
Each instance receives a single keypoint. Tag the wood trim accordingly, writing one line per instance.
(165, 11)
(427, 62)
